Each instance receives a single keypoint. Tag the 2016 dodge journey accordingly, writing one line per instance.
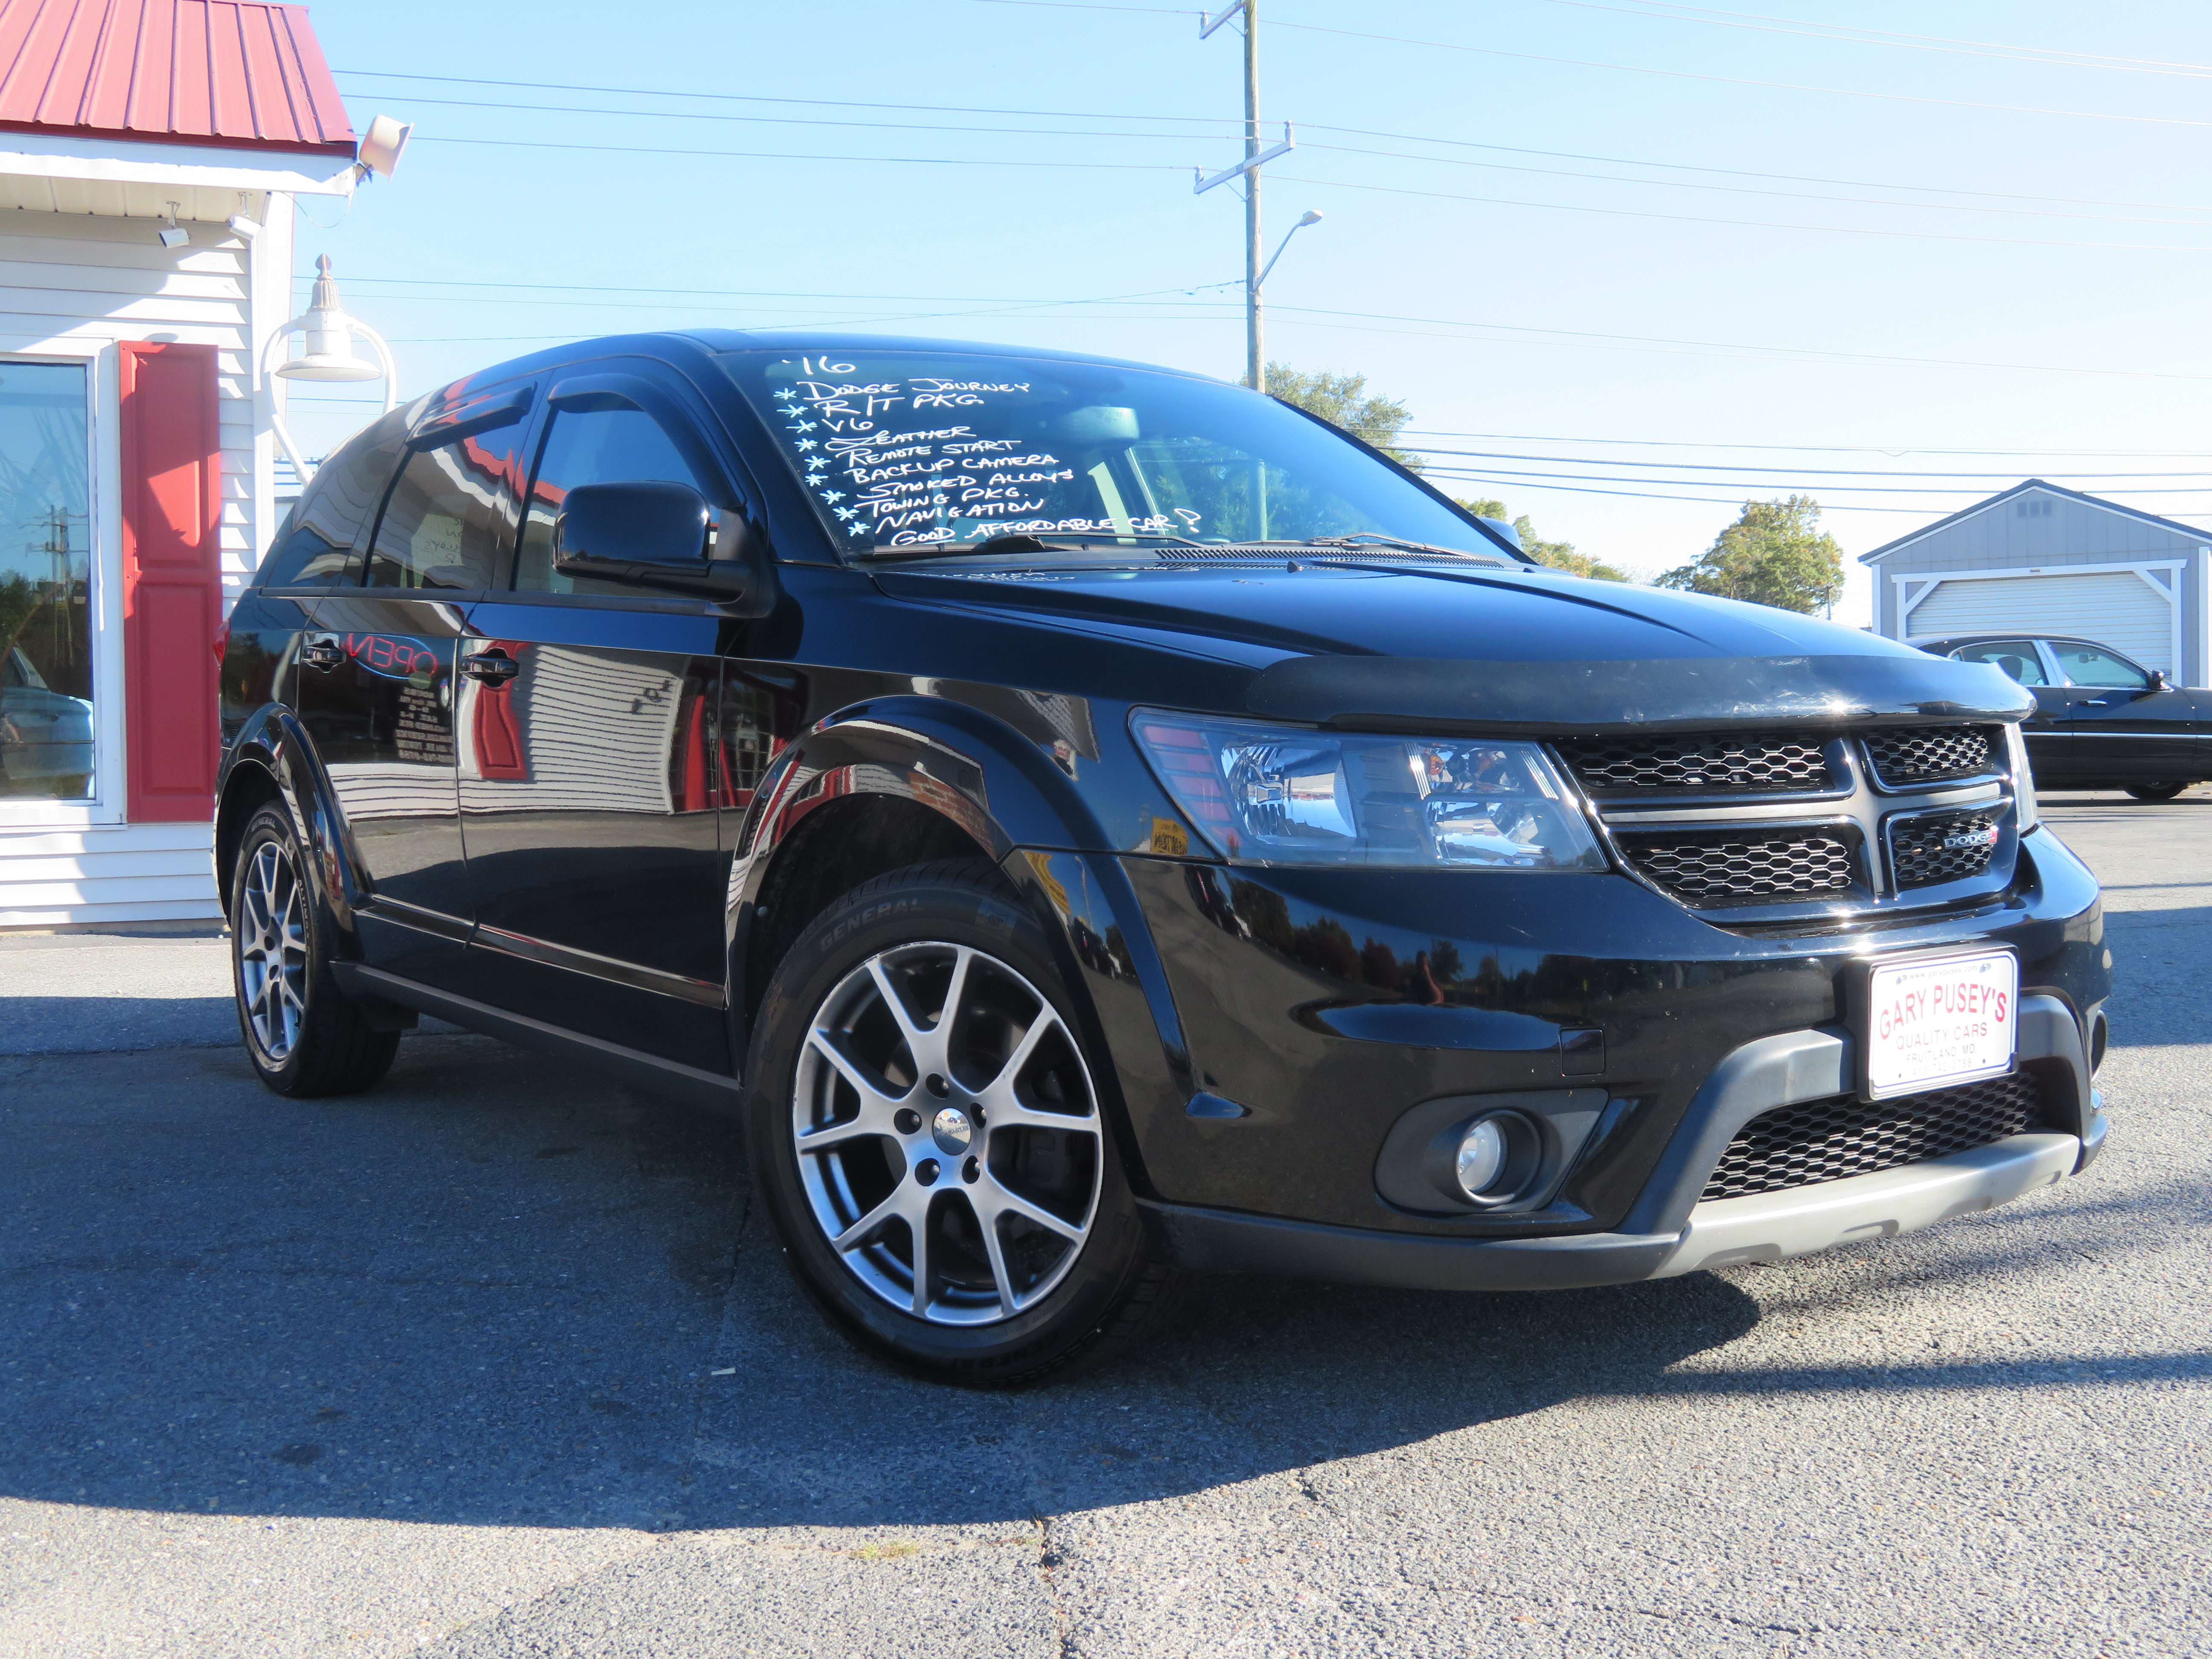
(1095, 824)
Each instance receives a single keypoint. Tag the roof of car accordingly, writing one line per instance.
(808, 343)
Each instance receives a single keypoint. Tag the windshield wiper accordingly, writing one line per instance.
(1362, 539)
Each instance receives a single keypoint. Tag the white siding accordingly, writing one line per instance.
(2114, 608)
(74, 282)
(117, 872)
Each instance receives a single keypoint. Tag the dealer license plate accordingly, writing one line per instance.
(1931, 1021)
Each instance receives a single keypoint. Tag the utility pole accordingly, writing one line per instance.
(1255, 354)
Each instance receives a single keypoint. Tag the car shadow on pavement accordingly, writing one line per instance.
(494, 1293)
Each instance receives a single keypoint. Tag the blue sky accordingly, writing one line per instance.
(1620, 252)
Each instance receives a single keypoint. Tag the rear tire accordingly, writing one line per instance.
(924, 1128)
(2157, 792)
(305, 1038)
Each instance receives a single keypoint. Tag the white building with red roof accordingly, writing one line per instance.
(150, 154)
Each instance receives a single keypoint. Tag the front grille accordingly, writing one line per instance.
(1753, 764)
(1930, 754)
(1828, 1139)
(1937, 847)
(1748, 866)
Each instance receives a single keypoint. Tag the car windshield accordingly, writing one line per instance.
(2085, 664)
(923, 450)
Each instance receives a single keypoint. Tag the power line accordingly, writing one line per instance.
(1825, 449)
(1751, 189)
(1800, 351)
(1787, 471)
(1517, 474)
(2050, 57)
(1349, 149)
(762, 97)
(784, 155)
(793, 120)
(1739, 81)
(1746, 224)
(1310, 127)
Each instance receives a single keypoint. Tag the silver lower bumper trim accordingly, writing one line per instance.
(1768, 1226)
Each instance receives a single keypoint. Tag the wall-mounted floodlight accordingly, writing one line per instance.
(173, 234)
(242, 222)
(381, 147)
(329, 357)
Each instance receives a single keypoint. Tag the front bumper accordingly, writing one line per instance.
(1766, 1227)
(1670, 1231)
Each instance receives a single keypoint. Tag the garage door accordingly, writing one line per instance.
(2114, 608)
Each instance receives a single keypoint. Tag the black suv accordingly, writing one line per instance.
(1096, 823)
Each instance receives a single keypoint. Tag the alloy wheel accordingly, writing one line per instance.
(272, 951)
(948, 1136)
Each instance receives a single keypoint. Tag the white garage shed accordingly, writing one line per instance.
(2041, 559)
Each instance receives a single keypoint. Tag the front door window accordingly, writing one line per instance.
(2088, 664)
(45, 584)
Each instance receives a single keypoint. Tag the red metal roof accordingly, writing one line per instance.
(240, 73)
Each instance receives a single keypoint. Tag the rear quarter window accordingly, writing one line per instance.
(323, 540)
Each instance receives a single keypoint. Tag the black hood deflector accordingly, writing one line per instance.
(1568, 699)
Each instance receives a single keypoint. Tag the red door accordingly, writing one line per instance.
(171, 579)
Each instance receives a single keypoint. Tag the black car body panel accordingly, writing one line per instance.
(592, 822)
(2098, 736)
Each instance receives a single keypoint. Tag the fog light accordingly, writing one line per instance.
(1481, 1159)
(1497, 1158)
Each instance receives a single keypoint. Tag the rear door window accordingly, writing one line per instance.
(449, 520)
(2018, 657)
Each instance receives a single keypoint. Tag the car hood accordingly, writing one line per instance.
(1351, 644)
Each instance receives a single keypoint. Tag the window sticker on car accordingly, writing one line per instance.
(923, 449)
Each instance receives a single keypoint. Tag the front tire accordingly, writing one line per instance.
(305, 1038)
(2164, 790)
(924, 1126)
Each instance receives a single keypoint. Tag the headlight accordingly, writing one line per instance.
(2025, 816)
(1271, 794)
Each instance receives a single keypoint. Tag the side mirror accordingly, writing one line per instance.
(2158, 681)
(665, 536)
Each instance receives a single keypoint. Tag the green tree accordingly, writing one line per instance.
(1342, 400)
(1560, 555)
(1774, 553)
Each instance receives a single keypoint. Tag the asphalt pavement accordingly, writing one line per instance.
(501, 1360)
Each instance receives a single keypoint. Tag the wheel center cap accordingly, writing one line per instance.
(951, 1129)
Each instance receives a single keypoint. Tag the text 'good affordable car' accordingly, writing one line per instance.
(1096, 823)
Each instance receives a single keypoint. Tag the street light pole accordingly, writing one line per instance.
(1255, 350)
(1255, 353)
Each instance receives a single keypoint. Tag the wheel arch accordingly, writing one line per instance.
(871, 789)
(273, 758)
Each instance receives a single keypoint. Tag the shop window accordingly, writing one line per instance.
(45, 584)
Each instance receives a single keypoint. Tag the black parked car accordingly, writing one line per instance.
(1095, 823)
(2101, 721)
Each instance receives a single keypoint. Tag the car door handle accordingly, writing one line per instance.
(325, 654)
(492, 667)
